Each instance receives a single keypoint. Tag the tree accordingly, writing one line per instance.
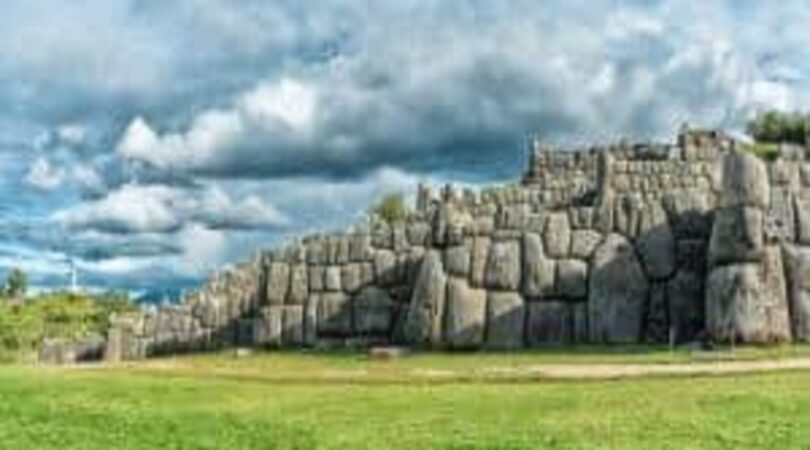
(776, 127)
(16, 283)
(391, 208)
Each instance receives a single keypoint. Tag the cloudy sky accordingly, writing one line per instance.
(152, 140)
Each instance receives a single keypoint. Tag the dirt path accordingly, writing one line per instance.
(629, 370)
(374, 373)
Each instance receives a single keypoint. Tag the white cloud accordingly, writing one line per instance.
(72, 134)
(131, 209)
(289, 101)
(464, 92)
(43, 175)
(138, 209)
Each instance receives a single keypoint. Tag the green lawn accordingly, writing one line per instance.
(197, 402)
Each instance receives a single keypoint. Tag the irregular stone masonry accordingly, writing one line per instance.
(626, 243)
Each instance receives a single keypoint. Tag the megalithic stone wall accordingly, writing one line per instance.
(626, 243)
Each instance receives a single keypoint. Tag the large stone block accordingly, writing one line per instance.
(557, 235)
(278, 282)
(478, 261)
(503, 266)
(316, 278)
(572, 279)
(466, 314)
(424, 316)
(656, 326)
(505, 320)
(350, 277)
(747, 302)
(359, 247)
(334, 315)
(690, 255)
(744, 181)
(689, 213)
(419, 234)
(538, 270)
(780, 218)
(737, 236)
(549, 323)
(656, 243)
(627, 215)
(299, 284)
(797, 265)
(584, 242)
(268, 327)
(372, 312)
(457, 260)
(685, 298)
(802, 211)
(618, 290)
(311, 319)
(385, 267)
(292, 322)
(332, 278)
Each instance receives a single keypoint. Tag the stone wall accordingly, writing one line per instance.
(624, 244)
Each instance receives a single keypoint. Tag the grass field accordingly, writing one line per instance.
(199, 403)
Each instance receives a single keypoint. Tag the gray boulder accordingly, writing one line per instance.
(744, 181)
(557, 235)
(797, 265)
(617, 292)
(572, 279)
(457, 260)
(350, 277)
(747, 302)
(299, 284)
(466, 313)
(278, 282)
(549, 323)
(334, 315)
(332, 278)
(372, 311)
(292, 322)
(802, 209)
(538, 270)
(505, 320)
(478, 261)
(685, 297)
(584, 242)
(656, 243)
(385, 267)
(737, 236)
(316, 278)
(503, 266)
(426, 309)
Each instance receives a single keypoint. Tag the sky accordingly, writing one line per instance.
(152, 141)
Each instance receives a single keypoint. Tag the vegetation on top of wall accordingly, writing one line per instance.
(765, 151)
(391, 208)
(776, 127)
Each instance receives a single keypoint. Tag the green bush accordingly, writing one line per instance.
(776, 127)
(768, 152)
(25, 324)
(391, 208)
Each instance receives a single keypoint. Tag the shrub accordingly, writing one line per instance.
(776, 127)
(768, 152)
(391, 208)
(24, 325)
